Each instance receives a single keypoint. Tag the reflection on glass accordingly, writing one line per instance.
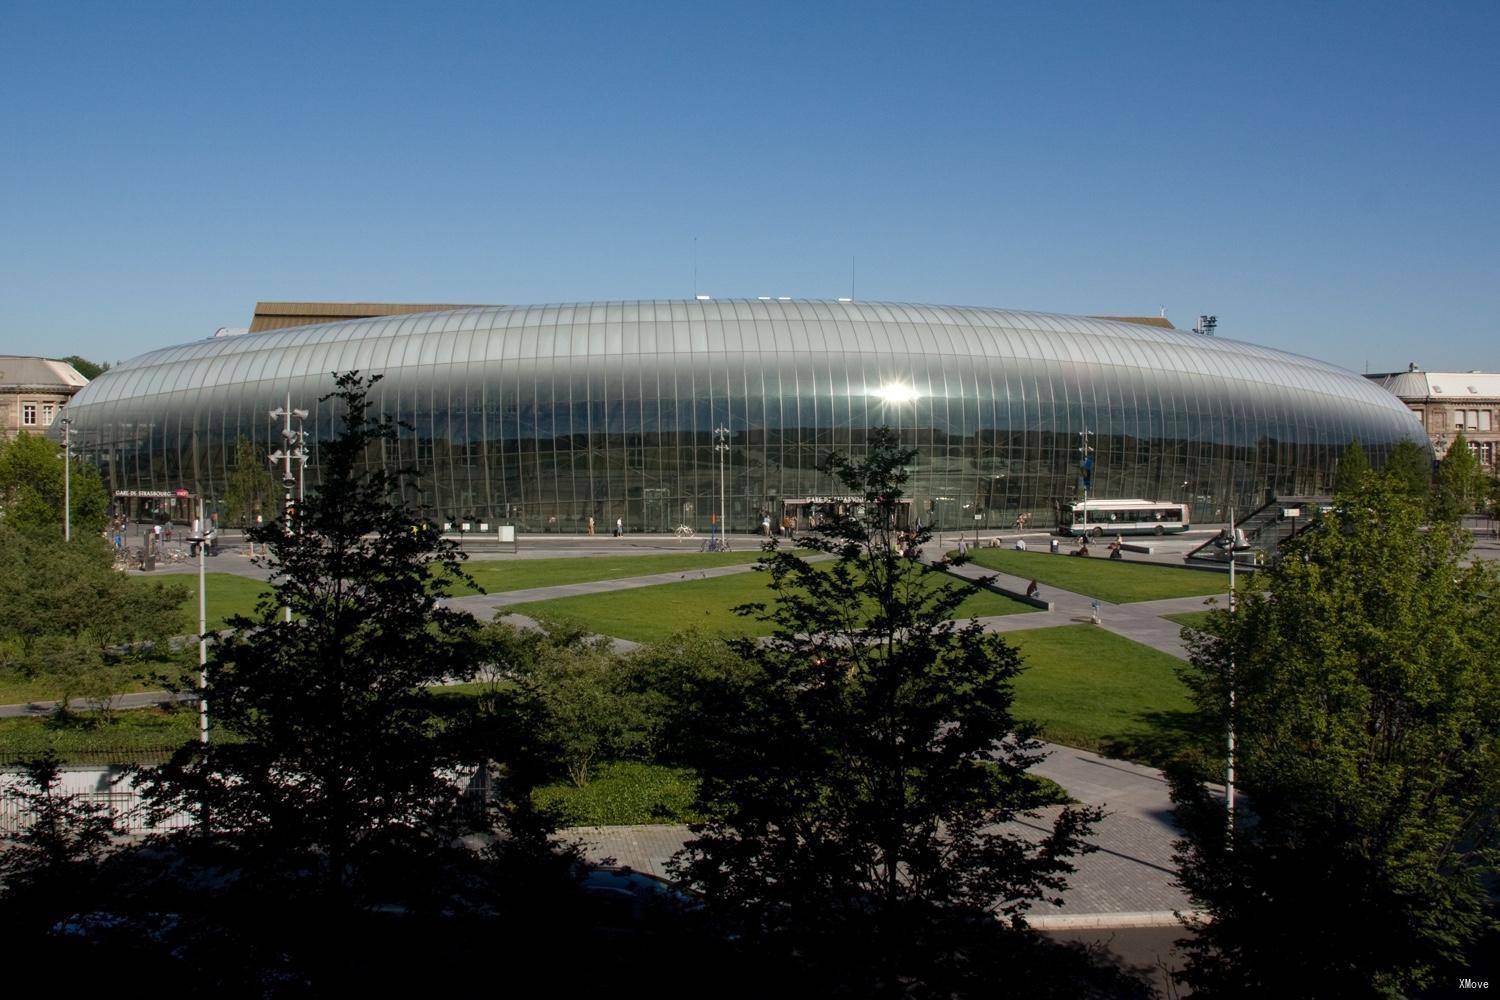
(545, 416)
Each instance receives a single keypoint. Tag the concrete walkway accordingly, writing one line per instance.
(1140, 622)
(1126, 882)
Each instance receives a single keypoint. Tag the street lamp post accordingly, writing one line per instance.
(291, 448)
(200, 541)
(1229, 742)
(1086, 466)
(721, 445)
(67, 423)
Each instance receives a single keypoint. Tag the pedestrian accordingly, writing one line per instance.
(1032, 590)
(619, 526)
(591, 524)
(765, 525)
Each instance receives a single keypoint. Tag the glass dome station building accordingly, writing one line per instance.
(543, 416)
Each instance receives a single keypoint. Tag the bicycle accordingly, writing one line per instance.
(715, 543)
(683, 532)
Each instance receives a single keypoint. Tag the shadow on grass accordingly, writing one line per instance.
(1167, 736)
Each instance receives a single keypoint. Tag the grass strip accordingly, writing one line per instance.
(1115, 581)
(650, 614)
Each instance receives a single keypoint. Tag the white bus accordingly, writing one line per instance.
(1121, 517)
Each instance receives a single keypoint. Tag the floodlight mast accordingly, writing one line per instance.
(721, 445)
(292, 447)
(1087, 468)
(67, 423)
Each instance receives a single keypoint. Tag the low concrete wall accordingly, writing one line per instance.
(1015, 595)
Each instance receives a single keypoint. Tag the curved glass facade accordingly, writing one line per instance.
(545, 415)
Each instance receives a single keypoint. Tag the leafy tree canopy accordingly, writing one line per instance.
(1409, 466)
(1461, 483)
(1365, 670)
(86, 368)
(857, 779)
(32, 488)
(1353, 467)
(67, 614)
(338, 769)
(50, 868)
(251, 488)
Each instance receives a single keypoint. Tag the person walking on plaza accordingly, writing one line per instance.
(619, 527)
(765, 525)
(591, 524)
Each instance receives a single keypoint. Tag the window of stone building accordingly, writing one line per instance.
(28, 414)
(47, 414)
(1484, 420)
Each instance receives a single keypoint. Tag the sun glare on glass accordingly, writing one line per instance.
(895, 392)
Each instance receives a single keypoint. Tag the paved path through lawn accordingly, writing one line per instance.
(1141, 621)
(1127, 882)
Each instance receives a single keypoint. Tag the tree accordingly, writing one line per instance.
(855, 783)
(1409, 466)
(32, 488)
(1364, 668)
(250, 489)
(86, 368)
(337, 768)
(1352, 469)
(1460, 482)
(49, 869)
(583, 711)
(67, 615)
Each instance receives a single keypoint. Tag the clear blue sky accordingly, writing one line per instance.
(1323, 176)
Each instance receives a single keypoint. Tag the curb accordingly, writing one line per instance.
(1113, 921)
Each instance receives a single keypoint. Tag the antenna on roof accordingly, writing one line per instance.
(695, 267)
(851, 277)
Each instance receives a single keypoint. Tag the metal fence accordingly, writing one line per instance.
(127, 806)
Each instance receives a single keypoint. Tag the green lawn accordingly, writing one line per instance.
(17, 690)
(649, 614)
(1192, 619)
(228, 594)
(625, 793)
(497, 575)
(141, 735)
(1119, 582)
(1095, 690)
